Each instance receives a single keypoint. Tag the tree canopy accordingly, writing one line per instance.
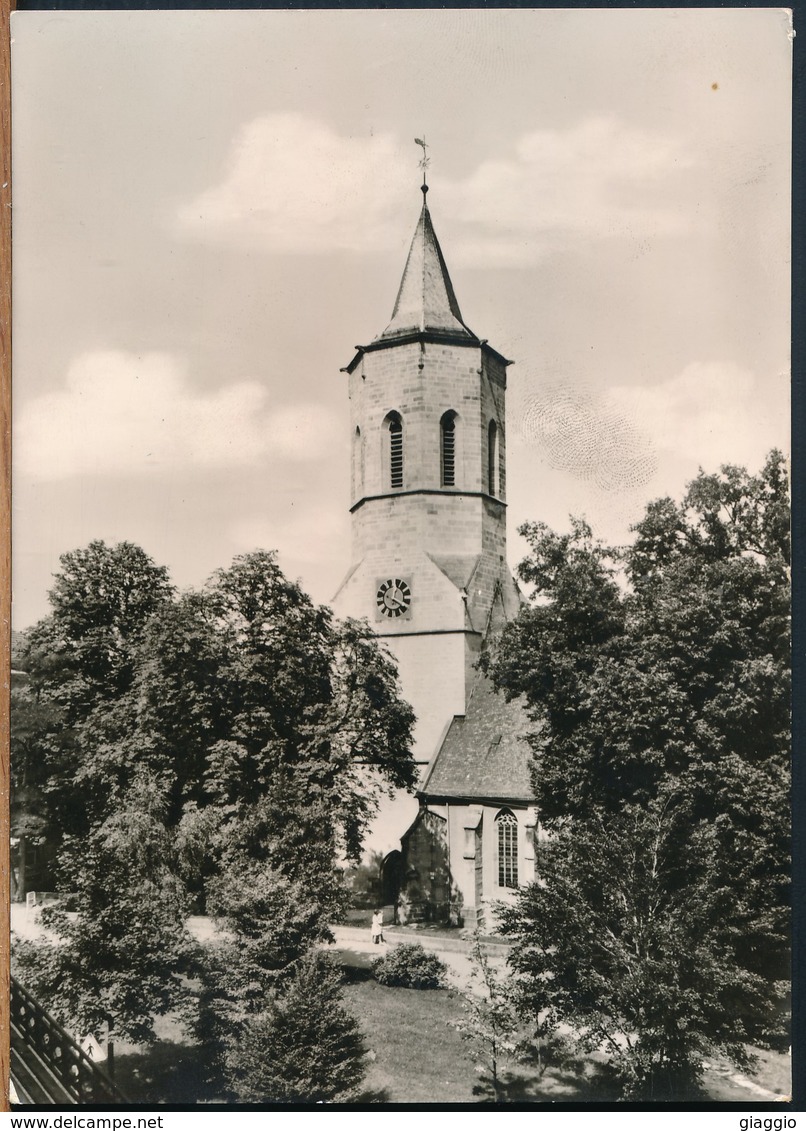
(658, 675)
(263, 733)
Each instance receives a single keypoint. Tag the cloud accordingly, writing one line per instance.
(615, 439)
(126, 414)
(712, 413)
(294, 185)
(297, 186)
(599, 179)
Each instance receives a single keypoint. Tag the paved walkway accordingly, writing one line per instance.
(451, 948)
(25, 922)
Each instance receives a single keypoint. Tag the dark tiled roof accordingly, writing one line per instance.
(484, 754)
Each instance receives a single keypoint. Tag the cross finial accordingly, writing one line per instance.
(426, 161)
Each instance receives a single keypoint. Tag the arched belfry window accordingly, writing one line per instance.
(447, 431)
(492, 458)
(507, 825)
(393, 427)
(358, 463)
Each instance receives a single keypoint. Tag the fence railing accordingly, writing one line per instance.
(78, 1074)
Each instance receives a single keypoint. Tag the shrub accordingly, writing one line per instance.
(410, 966)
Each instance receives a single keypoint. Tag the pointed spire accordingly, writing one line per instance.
(426, 300)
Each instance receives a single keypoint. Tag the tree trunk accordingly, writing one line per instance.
(21, 892)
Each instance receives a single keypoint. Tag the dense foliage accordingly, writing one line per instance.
(219, 751)
(120, 959)
(659, 679)
(410, 966)
(75, 664)
(304, 1047)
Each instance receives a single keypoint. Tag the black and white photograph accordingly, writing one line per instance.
(400, 691)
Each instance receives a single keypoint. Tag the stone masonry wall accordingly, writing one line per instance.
(422, 381)
(461, 526)
(471, 830)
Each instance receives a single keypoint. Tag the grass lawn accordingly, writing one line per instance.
(417, 1056)
(420, 1058)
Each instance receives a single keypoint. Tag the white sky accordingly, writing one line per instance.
(212, 208)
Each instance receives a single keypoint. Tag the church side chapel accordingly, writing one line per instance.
(428, 425)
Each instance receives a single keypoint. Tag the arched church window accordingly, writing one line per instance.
(394, 429)
(492, 458)
(507, 826)
(448, 450)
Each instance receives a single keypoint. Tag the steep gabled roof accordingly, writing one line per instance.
(426, 300)
(485, 755)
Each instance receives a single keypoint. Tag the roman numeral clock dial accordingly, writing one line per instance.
(393, 598)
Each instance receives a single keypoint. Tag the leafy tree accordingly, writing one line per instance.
(267, 731)
(305, 1047)
(79, 662)
(313, 732)
(35, 748)
(102, 598)
(118, 963)
(318, 723)
(659, 677)
(631, 939)
(489, 1023)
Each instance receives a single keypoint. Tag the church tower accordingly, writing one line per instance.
(428, 505)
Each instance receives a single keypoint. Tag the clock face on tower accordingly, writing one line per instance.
(393, 597)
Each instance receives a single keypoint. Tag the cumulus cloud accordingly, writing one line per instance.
(295, 185)
(711, 413)
(599, 178)
(120, 413)
(707, 414)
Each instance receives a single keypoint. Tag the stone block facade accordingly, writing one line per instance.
(421, 381)
(449, 871)
(474, 857)
(447, 543)
(426, 892)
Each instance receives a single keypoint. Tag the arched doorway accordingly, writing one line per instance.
(391, 879)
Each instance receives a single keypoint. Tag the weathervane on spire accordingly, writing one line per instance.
(426, 161)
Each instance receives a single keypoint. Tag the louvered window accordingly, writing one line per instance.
(395, 453)
(507, 849)
(449, 449)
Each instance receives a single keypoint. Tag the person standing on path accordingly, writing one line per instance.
(377, 926)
